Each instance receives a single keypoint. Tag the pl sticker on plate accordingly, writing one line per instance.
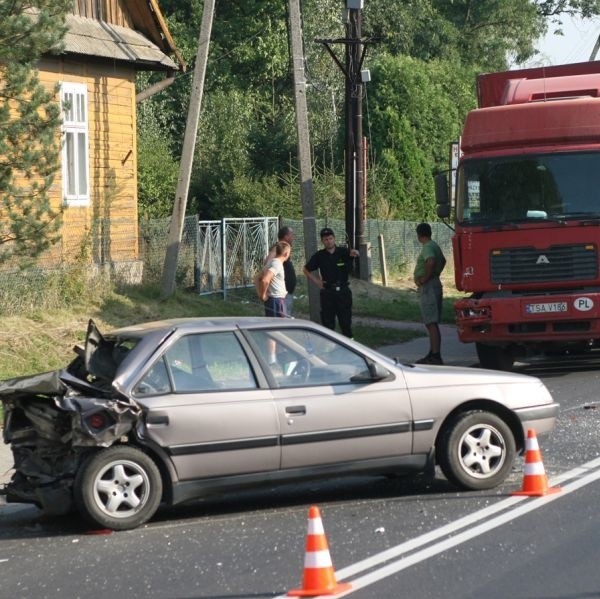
(583, 304)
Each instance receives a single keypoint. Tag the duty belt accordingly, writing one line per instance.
(335, 286)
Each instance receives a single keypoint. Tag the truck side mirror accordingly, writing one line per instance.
(441, 190)
(443, 211)
(441, 195)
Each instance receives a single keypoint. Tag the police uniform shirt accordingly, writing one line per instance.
(333, 267)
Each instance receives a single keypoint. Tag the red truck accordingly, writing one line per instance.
(527, 214)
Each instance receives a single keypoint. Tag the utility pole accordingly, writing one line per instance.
(187, 153)
(354, 138)
(595, 50)
(355, 202)
(306, 181)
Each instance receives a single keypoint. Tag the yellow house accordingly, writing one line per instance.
(107, 42)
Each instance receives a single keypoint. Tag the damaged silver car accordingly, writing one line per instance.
(169, 411)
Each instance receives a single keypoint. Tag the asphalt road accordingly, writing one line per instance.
(405, 537)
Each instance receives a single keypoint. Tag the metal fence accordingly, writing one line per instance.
(399, 239)
(214, 256)
(226, 254)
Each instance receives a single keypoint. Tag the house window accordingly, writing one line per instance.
(75, 160)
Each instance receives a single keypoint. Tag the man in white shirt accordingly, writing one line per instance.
(271, 281)
(286, 234)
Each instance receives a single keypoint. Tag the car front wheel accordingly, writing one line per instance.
(477, 450)
(118, 488)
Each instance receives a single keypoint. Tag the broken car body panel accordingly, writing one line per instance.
(52, 419)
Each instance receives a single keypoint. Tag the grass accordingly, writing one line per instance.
(37, 340)
(398, 301)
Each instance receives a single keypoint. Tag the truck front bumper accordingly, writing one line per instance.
(568, 317)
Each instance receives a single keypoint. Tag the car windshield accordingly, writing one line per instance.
(530, 188)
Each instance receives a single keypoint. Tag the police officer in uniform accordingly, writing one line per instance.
(334, 265)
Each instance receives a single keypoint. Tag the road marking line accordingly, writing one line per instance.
(582, 477)
(468, 534)
(457, 524)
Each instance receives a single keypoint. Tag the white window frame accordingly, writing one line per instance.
(75, 144)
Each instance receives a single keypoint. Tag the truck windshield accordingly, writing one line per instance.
(529, 188)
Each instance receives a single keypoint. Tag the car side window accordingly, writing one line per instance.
(300, 358)
(155, 381)
(199, 363)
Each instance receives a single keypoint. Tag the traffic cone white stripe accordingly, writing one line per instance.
(318, 559)
(537, 468)
(535, 483)
(531, 444)
(318, 577)
(315, 526)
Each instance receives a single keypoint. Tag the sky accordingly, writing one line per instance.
(576, 45)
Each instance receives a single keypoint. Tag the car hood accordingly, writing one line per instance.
(512, 389)
(441, 376)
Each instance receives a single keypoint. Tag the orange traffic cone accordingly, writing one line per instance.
(318, 577)
(535, 482)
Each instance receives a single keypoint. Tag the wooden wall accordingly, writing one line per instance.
(107, 228)
(111, 11)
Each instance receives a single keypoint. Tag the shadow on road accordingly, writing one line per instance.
(560, 365)
(24, 522)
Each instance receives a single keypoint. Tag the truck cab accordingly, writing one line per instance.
(527, 214)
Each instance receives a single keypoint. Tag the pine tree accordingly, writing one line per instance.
(29, 127)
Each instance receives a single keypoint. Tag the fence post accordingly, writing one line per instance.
(224, 258)
(197, 263)
(266, 236)
(383, 264)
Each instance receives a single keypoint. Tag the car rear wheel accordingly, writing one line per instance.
(118, 488)
(477, 450)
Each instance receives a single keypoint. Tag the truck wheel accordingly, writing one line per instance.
(495, 357)
(476, 450)
(118, 488)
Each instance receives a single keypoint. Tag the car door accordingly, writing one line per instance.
(205, 408)
(324, 416)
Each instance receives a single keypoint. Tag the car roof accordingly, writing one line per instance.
(199, 323)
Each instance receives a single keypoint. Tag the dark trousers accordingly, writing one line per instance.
(275, 306)
(337, 303)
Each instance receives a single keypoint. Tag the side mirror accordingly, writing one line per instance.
(442, 197)
(443, 211)
(376, 372)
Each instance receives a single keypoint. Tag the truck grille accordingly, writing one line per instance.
(557, 263)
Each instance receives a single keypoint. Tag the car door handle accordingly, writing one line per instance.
(157, 418)
(295, 410)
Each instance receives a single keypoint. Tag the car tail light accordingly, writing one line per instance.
(98, 421)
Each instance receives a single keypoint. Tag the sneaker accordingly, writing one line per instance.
(424, 360)
(431, 359)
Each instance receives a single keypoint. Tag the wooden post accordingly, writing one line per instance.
(306, 182)
(187, 153)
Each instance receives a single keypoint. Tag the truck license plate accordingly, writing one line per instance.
(545, 308)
